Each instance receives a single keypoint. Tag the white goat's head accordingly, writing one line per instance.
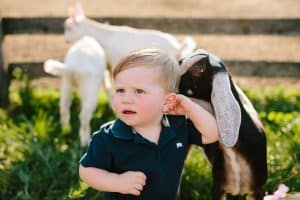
(73, 25)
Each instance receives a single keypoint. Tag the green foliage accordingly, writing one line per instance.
(196, 179)
(39, 159)
(279, 110)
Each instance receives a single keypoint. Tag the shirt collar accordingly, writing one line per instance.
(121, 130)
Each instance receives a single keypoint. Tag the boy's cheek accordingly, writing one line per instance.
(116, 104)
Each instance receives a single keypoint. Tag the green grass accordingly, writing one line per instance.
(39, 160)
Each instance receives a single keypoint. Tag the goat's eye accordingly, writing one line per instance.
(180, 61)
(198, 70)
(139, 91)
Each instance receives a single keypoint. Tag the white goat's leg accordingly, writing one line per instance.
(88, 90)
(108, 88)
(65, 100)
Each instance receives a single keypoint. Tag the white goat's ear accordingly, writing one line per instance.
(227, 109)
(71, 13)
(78, 12)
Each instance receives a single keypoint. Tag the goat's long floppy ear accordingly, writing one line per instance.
(227, 109)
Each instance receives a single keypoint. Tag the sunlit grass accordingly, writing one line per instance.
(39, 160)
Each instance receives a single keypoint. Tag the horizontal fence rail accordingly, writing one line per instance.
(172, 25)
(239, 68)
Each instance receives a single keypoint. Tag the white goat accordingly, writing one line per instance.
(119, 41)
(83, 68)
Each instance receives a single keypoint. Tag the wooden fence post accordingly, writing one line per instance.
(4, 76)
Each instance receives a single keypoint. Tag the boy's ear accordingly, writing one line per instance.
(170, 102)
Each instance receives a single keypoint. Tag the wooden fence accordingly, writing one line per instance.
(52, 25)
(4, 77)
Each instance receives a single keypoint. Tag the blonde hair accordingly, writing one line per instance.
(168, 67)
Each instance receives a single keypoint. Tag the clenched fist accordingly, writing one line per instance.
(131, 182)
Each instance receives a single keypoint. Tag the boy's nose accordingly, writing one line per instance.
(127, 98)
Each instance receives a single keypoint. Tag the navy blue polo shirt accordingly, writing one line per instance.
(117, 149)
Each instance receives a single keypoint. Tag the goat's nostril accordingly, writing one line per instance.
(190, 92)
(180, 62)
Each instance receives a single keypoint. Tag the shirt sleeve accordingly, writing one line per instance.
(194, 135)
(97, 154)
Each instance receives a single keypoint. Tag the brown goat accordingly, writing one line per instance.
(238, 159)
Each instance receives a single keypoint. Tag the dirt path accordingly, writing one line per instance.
(252, 83)
(228, 47)
(152, 8)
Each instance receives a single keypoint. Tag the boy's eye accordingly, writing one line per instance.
(120, 90)
(139, 91)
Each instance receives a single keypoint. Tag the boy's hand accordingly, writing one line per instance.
(181, 107)
(132, 182)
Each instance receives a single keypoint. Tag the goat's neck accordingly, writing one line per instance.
(105, 35)
(101, 32)
(247, 105)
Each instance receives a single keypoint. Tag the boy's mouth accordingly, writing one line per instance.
(128, 112)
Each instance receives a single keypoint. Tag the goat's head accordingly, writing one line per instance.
(204, 76)
(73, 25)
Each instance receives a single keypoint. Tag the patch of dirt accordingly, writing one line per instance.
(162, 8)
(276, 48)
(263, 82)
(244, 82)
